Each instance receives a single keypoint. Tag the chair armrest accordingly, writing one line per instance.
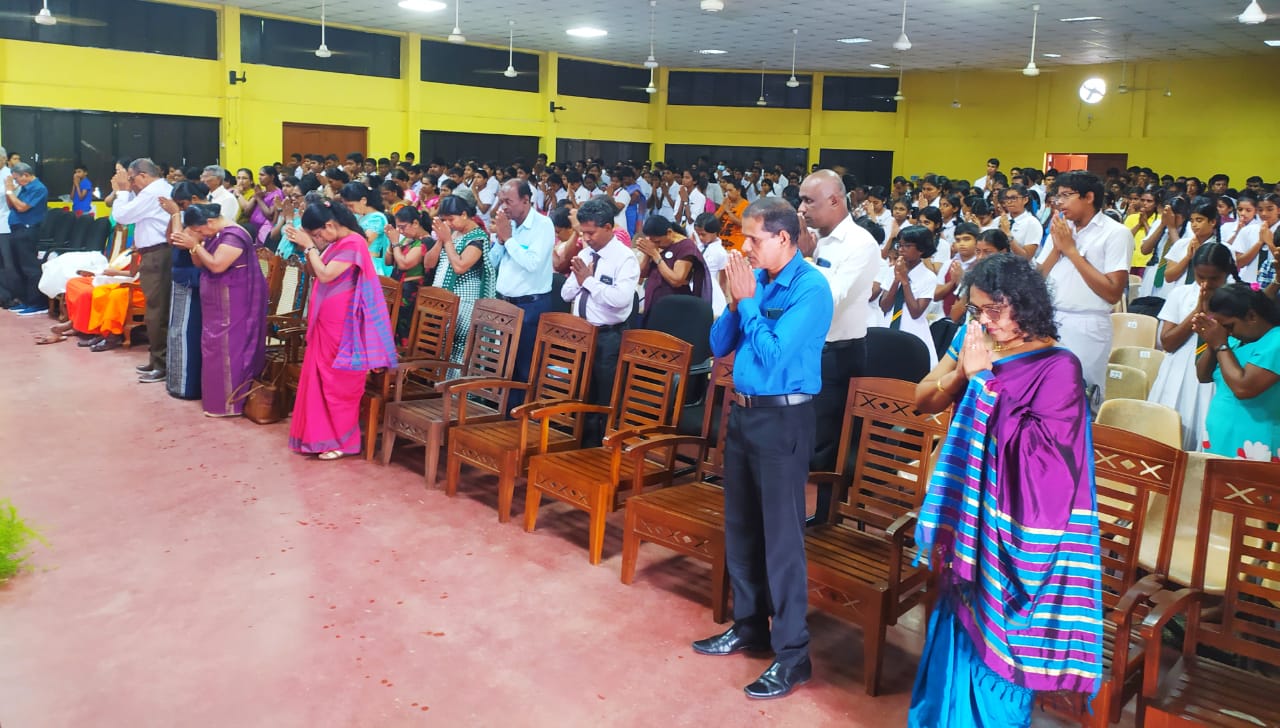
(1139, 594)
(825, 476)
(839, 486)
(621, 436)
(902, 529)
(291, 333)
(640, 448)
(702, 368)
(468, 384)
(567, 407)
(1168, 604)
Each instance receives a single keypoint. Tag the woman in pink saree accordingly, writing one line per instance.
(348, 332)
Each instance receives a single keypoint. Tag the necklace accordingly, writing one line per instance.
(1006, 347)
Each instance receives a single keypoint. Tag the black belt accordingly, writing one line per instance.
(612, 327)
(151, 248)
(16, 226)
(842, 344)
(770, 400)
(517, 300)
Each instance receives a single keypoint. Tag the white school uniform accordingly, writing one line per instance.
(1176, 384)
(1246, 238)
(923, 283)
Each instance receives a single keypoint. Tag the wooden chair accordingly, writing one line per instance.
(689, 519)
(372, 403)
(1200, 689)
(490, 355)
(135, 315)
(1187, 525)
(1126, 383)
(860, 561)
(560, 371)
(1139, 357)
(1133, 475)
(269, 262)
(648, 393)
(1149, 419)
(288, 291)
(1134, 329)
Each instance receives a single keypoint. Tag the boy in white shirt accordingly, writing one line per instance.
(908, 295)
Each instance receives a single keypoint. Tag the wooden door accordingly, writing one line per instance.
(324, 139)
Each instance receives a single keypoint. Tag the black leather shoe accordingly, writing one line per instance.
(155, 375)
(107, 344)
(730, 641)
(779, 681)
(86, 343)
(143, 368)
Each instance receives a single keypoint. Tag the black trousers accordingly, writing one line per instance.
(766, 464)
(841, 361)
(21, 272)
(533, 311)
(6, 295)
(603, 368)
(155, 274)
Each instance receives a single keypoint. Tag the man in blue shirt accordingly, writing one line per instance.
(775, 325)
(522, 245)
(28, 200)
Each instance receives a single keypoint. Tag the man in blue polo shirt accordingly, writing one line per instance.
(776, 325)
(28, 200)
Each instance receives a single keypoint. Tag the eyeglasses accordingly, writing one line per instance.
(992, 311)
(1062, 197)
(1012, 198)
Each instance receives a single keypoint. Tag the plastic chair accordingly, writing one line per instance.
(1139, 357)
(1156, 421)
(1126, 383)
(1184, 534)
(1133, 329)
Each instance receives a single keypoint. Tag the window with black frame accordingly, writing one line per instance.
(123, 25)
(723, 88)
(283, 43)
(859, 93)
(469, 65)
(602, 81)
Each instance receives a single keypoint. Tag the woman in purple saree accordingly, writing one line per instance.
(348, 332)
(1010, 517)
(233, 304)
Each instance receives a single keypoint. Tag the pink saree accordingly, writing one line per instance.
(348, 334)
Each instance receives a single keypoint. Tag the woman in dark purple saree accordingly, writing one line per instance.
(233, 304)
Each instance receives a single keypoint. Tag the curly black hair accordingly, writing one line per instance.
(1012, 279)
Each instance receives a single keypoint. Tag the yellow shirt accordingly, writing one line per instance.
(1140, 259)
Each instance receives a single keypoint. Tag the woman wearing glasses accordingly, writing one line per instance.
(1014, 478)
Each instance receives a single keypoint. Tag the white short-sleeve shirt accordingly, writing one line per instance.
(1107, 246)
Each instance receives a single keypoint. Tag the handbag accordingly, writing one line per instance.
(263, 401)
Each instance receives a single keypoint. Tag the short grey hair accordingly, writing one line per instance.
(145, 166)
(4, 154)
(215, 170)
(22, 168)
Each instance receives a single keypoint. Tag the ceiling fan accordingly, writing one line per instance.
(48, 19)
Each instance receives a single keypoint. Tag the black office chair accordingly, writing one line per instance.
(558, 304)
(55, 231)
(78, 238)
(99, 236)
(688, 318)
(943, 331)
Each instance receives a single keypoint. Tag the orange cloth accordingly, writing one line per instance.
(78, 298)
(730, 231)
(109, 306)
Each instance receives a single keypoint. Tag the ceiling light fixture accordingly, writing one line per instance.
(1093, 90)
(323, 51)
(760, 101)
(793, 82)
(44, 17)
(852, 41)
(1272, 43)
(899, 97)
(651, 89)
(1051, 55)
(423, 6)
(712, 52)
(1031, 69)
(456, 36)
(587, 32)
(881, 66)
(1252, 14)
(651, 62)
(511, 50)
(712, 6)
(903, 43)
(1081, 19)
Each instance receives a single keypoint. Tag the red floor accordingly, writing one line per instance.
(197, 573)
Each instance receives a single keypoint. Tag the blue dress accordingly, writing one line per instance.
(1247, 428)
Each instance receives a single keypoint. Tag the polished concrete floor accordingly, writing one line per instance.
(197, 573)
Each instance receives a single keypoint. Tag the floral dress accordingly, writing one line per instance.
(411, 281)
(476, 283)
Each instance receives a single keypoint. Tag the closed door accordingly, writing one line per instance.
(324, 140)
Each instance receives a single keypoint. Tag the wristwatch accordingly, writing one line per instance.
(1224, 347)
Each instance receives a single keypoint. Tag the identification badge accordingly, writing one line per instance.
(823, 263)
(668, 255)
(606, 280)
(773, 313)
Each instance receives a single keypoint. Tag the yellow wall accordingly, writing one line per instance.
(1215, 121)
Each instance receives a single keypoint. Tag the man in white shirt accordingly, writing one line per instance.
(138, 193)
(6, 296)
(1022, 227)
(849, 258)
(993, 166)
(601, 288)
(522, 245)
(1086, 264)
(212, 177)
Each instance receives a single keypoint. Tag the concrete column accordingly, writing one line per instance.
(232, 108)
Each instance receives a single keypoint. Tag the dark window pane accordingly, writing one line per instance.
(126, 25)
(685, 155)
(714, 88)
(845, 93)
(602, 81)
(468, 65)
(572, 150)
(293, 45)
(870, 166)
(57, 150)
(453, 146)
(167, 140)
(97, 132)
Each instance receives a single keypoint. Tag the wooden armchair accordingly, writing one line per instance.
(135, 315)
(490, 355)
(1133, 474)
(288, 291)
(373, 401)
(860, 561)
(648, 393)
(1201, 689)
(560, 371)
(689, 519)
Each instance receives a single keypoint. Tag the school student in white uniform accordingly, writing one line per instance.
(908, 294)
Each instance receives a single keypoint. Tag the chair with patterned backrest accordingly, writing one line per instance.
(689, 519)
(648, 393)
(287, 292)
(135, 315)
(860, 560)
(372, 404)
(1230, 659)
(1139, 485)
(490, 355)
(560, 371)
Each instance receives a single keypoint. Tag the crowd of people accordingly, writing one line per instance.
(1025, 268)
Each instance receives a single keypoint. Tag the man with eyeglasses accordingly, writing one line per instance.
(1021, 226)
(1086, 263)
(139, 190)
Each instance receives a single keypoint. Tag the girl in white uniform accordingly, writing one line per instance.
(909, 293)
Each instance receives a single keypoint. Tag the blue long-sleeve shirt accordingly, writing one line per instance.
(778, 334)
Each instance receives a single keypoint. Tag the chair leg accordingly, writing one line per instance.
(432, 458)
(452, 471)
(599, 509)
(388, 436)
(506, 491)
(532, 497)
(371, 427)
(1101, 716)
(630, 545)
(872, 657)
